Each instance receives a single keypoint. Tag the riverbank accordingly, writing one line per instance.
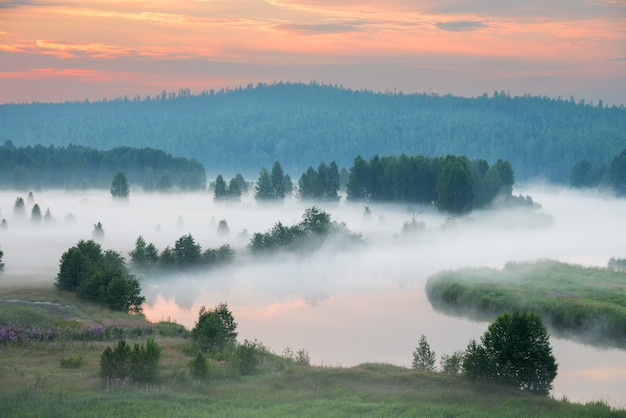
(36, 385)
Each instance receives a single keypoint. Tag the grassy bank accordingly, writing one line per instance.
(35, 384)
(581, 303)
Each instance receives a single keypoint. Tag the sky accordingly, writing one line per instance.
(63, 50)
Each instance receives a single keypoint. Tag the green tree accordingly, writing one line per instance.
(277, 179)
(263, 188)
(214, 328)
(220, 191)
(423, 356)
(452, 364)
(144, 255)
(617, 173)
(247, 355)
(119, 186)
(164, 182)
(515, 350)
(454, 186)
(99, 276)
(1, 263)
(35, 214)
(186, 251)
(198, 367)
(19, 209)
(234, 189)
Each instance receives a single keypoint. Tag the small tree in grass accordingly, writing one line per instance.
(198, 367)
(423, 356)
(215, 328)
(515, 350)
(451, 364)
(140, 362)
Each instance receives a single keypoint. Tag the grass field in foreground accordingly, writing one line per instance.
(34, 384)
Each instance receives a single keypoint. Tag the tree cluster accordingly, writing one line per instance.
(321, 184)
(79, 167)
(455, 184)
(231, 191)
(515, 350)
(185, 253)
(311, 232)
(274, 185)
(585, 174)
(99, 276)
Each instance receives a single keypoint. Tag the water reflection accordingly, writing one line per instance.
(381, 324)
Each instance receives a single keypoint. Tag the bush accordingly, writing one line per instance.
(140, 363)
(451, 364)
(198, 367)
(72, 362)
(248, 357)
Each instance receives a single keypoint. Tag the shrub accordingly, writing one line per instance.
(140, 363)
(451, 364)
(198, 367)
(72, 362)
(247, 355)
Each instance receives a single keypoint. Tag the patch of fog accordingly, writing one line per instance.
(345, 306)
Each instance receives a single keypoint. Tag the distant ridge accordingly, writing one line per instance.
(301, 125)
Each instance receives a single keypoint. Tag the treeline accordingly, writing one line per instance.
(302, 124)
(454, 183)
(585, 174)
(80, 167)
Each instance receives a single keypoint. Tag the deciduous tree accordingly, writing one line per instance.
(515, 350)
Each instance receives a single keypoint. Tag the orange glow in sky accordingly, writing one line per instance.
(109, 48)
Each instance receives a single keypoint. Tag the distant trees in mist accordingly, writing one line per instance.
(453, 183)
(584, 174)
(80, 167)
(315, 229)
(185, 254)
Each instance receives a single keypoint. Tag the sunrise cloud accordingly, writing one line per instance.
(359, 44)
(460, 26)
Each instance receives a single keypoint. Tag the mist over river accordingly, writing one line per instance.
(345, 306)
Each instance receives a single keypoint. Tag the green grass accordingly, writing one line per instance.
(35, 385)
(583, 303)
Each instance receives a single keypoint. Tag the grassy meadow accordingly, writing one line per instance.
(49, 366)
(587, 304)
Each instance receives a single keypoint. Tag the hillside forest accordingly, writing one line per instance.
(244, 129)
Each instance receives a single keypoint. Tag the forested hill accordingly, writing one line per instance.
(244, 129)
